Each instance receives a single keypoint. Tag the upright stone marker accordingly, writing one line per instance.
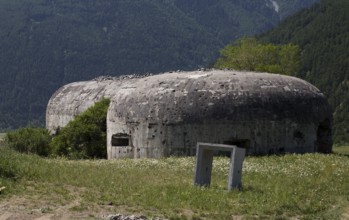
(204, 159)
(235, 173)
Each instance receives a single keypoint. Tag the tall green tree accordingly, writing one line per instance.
(249, 54)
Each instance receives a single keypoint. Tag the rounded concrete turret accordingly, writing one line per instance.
(167, 114)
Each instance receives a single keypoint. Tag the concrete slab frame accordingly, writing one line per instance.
(204, 160)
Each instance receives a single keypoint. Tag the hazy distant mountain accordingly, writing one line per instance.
(47, 43)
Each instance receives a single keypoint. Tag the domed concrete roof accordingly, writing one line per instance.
(193, 97)
(202, 95)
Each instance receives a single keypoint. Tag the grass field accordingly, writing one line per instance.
(310, 186)
(341, 150)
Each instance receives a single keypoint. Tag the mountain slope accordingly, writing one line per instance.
(47, 43)
(323, 34)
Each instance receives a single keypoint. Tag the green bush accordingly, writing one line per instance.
(30, 140)
(85, 136)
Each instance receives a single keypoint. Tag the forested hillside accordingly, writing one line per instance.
(47, 43)
(322, 32)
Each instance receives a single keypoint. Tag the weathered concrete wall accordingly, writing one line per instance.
(167, 114)
(74, 98)
(150, 140)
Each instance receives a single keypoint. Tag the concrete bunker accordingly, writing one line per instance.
(167, 114)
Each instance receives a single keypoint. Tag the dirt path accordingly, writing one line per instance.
(36, 208)
(50, 205)
(345, 215)
(27, 209)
